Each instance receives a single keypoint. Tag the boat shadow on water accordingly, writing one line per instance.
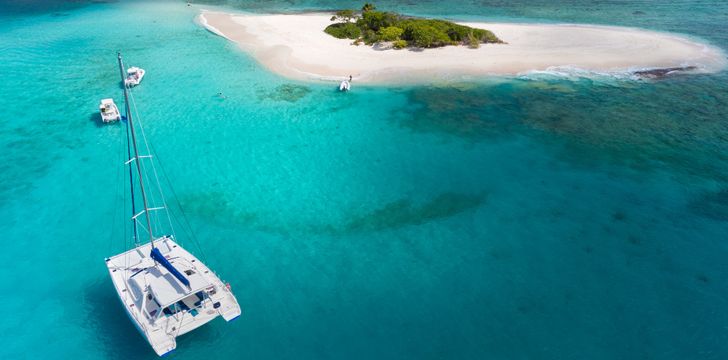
(119, 337)
(108, 320)
(96, 119)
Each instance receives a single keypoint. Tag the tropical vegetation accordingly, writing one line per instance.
(370, 26)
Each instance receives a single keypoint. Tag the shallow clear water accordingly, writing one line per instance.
(540, 217)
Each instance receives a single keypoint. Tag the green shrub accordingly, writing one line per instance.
(390, 33)
(343, 30)
(375, 20)
(459, 33)
(344, 15)
(425, 35)
(487, 36)
(473, 40)
(370, 37)
(399, 44)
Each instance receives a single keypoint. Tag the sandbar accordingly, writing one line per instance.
(295, 46)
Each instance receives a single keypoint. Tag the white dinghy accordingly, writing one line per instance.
(164, 289)
(344, 86)
(109, 111)
(134, 76)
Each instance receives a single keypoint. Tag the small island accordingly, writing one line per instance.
(371, 26)
(301, 46)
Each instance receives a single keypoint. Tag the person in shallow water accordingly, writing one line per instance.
(349, 78)
(221, 95)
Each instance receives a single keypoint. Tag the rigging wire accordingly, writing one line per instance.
(181, 210)
(126, 229)
(127, 239)
(154, 169)
(136, 153)
(139, 223)
(151, 150)
(188, 230)
(119, 179)
(156, 225)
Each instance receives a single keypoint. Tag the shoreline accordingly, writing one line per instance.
(295, 46)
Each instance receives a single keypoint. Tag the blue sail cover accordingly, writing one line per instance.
(157, 255)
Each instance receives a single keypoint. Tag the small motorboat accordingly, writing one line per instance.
(344, 86)
(134, 76)
(109, 111)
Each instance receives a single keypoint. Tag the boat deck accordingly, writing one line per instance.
(171, 307)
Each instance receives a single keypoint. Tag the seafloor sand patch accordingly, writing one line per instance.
(295, 46)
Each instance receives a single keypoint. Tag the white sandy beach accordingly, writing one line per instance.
(296, 46)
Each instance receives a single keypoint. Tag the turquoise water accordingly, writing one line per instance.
(507, 219)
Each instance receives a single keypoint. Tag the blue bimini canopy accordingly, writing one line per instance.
(158, 257)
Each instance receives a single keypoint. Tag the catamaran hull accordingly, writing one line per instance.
(141, 332)
(137, 325)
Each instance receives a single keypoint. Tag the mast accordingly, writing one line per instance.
(136, 153)
(131, 185)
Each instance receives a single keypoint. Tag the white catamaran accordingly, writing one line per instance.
(165, 290)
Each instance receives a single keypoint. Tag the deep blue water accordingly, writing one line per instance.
(542, 217)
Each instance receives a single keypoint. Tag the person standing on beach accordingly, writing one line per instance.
(349, 78)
